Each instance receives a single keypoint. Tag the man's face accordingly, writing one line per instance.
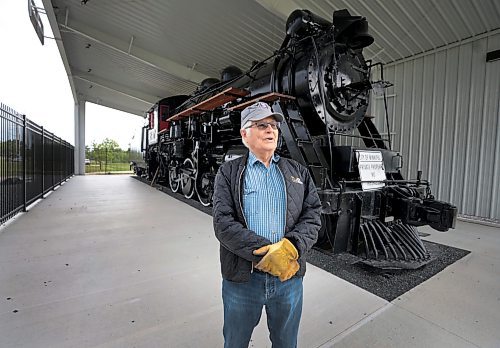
(261, 140)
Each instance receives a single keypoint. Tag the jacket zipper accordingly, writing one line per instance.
(241, 207)
(239, 198)
(286, 197)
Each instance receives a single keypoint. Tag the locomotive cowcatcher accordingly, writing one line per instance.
(319, 80)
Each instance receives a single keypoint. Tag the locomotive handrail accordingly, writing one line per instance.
(227, 95)
(388, 181)
(357, 136)
(270, 97)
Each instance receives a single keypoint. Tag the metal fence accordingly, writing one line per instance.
(105, 160)
(32, 162)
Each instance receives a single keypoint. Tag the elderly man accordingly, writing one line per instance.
(267, 217)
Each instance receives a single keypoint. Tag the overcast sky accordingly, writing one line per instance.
(33, 82)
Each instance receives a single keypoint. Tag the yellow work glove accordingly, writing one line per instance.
(293, 267)
(280, 259)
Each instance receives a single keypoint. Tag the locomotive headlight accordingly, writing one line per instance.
(343, 79)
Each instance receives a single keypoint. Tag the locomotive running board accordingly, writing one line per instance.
(211, 103)
(269, 97)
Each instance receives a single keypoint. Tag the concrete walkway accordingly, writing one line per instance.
(106, 261)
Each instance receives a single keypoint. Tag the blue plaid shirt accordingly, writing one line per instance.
(264, 198)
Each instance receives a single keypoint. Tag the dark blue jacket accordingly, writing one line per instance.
(237, 242)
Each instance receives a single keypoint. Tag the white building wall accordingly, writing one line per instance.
(444, 116)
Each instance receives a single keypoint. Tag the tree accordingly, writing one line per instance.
(108, 151)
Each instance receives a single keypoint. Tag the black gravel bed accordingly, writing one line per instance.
(387, 284)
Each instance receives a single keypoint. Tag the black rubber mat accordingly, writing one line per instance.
(388, 285)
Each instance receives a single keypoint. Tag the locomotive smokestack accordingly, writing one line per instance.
(351, 30)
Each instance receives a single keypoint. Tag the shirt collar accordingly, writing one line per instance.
(252, 159)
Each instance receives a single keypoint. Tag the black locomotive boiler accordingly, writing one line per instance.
(319, 80)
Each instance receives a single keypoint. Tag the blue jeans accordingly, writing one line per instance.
(243, 307)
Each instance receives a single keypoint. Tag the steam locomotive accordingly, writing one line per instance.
(319, 80)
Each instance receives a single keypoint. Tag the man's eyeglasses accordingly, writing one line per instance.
(263, 125)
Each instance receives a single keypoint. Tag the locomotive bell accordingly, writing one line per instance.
(229, 73)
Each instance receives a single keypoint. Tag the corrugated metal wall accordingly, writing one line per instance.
(444, 116)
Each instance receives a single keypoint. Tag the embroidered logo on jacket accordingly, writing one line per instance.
(296, 180)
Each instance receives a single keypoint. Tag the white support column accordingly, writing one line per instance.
(80, 138)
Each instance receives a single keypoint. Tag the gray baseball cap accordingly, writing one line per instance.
(258, 111)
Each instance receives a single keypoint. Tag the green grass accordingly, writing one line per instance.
(110, 167)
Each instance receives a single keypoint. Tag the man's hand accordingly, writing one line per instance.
(293, 267)
(280, 259)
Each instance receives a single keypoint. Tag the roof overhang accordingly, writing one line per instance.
(128, 55)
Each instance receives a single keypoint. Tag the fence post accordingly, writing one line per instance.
(53, 165)
(43, 162)
(60, 161)
(24, 162)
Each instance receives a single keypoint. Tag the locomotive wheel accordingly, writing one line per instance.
(173, 176)
(187, 178)
(205, 186)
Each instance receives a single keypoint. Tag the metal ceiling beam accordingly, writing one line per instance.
(416, 28)
(383, 23)
(425, 11)
(125, 91)
(139, 54)
(445, 48)
(282, 8)
(103, 101)
(49, 10)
